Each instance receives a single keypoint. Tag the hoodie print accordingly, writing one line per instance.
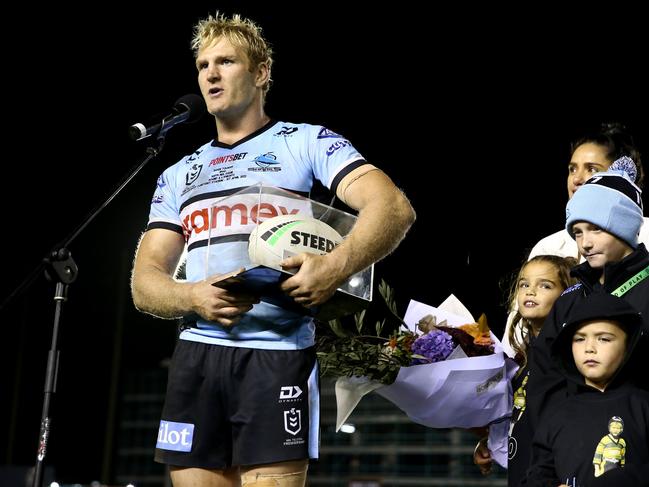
(611, 450)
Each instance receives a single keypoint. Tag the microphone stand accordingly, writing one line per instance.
(61, 269)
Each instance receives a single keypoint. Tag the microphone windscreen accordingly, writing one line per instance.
(195, 105)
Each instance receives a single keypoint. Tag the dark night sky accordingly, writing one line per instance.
(471, 118)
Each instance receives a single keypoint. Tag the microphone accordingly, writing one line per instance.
(187, 109)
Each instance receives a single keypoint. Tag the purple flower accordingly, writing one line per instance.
(435, 346)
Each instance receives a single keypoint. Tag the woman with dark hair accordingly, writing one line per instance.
(592, 153)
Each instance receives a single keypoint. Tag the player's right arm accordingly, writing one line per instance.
(156, 292)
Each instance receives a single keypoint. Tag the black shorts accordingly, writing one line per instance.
(229, 406)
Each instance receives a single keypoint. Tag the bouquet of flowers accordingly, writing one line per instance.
(441, 367)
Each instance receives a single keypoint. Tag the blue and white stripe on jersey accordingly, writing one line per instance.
(201, 196)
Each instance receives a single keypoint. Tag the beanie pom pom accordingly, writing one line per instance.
(625, 165)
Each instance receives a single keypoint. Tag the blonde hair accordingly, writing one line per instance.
(562, 266)
(240, 32)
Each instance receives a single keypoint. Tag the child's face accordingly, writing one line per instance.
(598, 246)
(598, 349)
(538, 288)
(615, 428)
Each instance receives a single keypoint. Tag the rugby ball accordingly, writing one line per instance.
(283, 236)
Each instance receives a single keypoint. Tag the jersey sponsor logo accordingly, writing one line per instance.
(266, 163)
(289, 392)
(286, 131)
(175, 436)
(157, 198)
(229, 158)
(193, 173)
(337, 145)
(328, 134)
(235, 215)
(293, 421)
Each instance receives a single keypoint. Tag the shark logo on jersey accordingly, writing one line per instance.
(193, 173)
(328, 134)
(266, 163)
(286, 131)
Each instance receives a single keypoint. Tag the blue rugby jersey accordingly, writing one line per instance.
(201, 197)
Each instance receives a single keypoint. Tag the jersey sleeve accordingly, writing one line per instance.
(332, 156)
(164, 212)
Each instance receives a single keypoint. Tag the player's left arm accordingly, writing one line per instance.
(384, 217)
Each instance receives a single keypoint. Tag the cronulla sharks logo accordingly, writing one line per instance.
(266, 163)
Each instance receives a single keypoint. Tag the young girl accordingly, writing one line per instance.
(540, 281)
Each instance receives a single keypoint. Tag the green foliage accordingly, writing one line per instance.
(377, 356)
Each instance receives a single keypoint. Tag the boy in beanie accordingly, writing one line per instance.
(610, 201)
(604, 217)
(601, 435)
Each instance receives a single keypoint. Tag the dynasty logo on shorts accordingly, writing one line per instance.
(175, 436)
(289, 393)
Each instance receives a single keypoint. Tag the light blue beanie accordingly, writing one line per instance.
(612, 202)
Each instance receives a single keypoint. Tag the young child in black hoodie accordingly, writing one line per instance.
(600, 434)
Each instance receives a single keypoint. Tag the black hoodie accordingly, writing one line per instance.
(568, 443)
(547, 386)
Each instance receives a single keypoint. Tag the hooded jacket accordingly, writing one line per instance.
(583, 432)
(547, 385)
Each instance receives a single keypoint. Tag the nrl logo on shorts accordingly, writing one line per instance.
(293, 421)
